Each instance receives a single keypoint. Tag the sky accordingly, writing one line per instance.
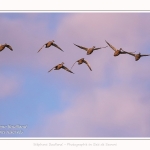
(112, 100)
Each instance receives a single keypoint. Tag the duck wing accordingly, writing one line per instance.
(100, 48)
(81, 47)
(125, 52)
(130, 53)
(56, 46)
(73, 64)
(87, 64)
(41, 48)
(111, 46)
(52, 69)
(8, 46)
(67, 69)
(145, 55)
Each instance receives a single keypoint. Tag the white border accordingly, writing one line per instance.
(77, 5)
(96, 144)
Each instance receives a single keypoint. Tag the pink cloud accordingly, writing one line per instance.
(119, 105)
(98, 109)
(9, 86)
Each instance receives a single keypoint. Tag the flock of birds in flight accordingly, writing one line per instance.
(82, 60)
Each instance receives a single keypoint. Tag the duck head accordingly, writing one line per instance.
(120, 49)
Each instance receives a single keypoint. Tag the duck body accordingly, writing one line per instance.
(90, 50)
(2, 47)
(48, 44)
(137, 57)
(117, 53)
(80, 61)
(59, 66)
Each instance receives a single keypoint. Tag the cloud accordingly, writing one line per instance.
(9, 86)
(90, 113)
(113, 99)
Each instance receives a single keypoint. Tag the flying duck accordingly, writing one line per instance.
(89, 50)
(59, 66)
(117, 51)
(82, 60)
(50, 43)
(137, 56)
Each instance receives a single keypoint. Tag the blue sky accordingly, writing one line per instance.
(112, 100)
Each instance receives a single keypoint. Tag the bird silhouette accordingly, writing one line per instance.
(89, 50)
(81, 61)
(138, 56)
(61, 66)
(50, 43)
(117, 51)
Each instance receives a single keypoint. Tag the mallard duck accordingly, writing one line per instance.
(82, 60)
(5, 45)
(89, 50)
(137, 56)
(59, 66)
(50, 43)
(117, 51)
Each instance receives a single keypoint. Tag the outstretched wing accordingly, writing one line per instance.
(111, 46)
(56, 46)
(130, 53)
(8, 46)
(51, 69)
(67, 69)
(73, 64)
(41, 48)
(124, 52)
(100, 48)
(145, 55)
(81, 47)
(88, 64)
